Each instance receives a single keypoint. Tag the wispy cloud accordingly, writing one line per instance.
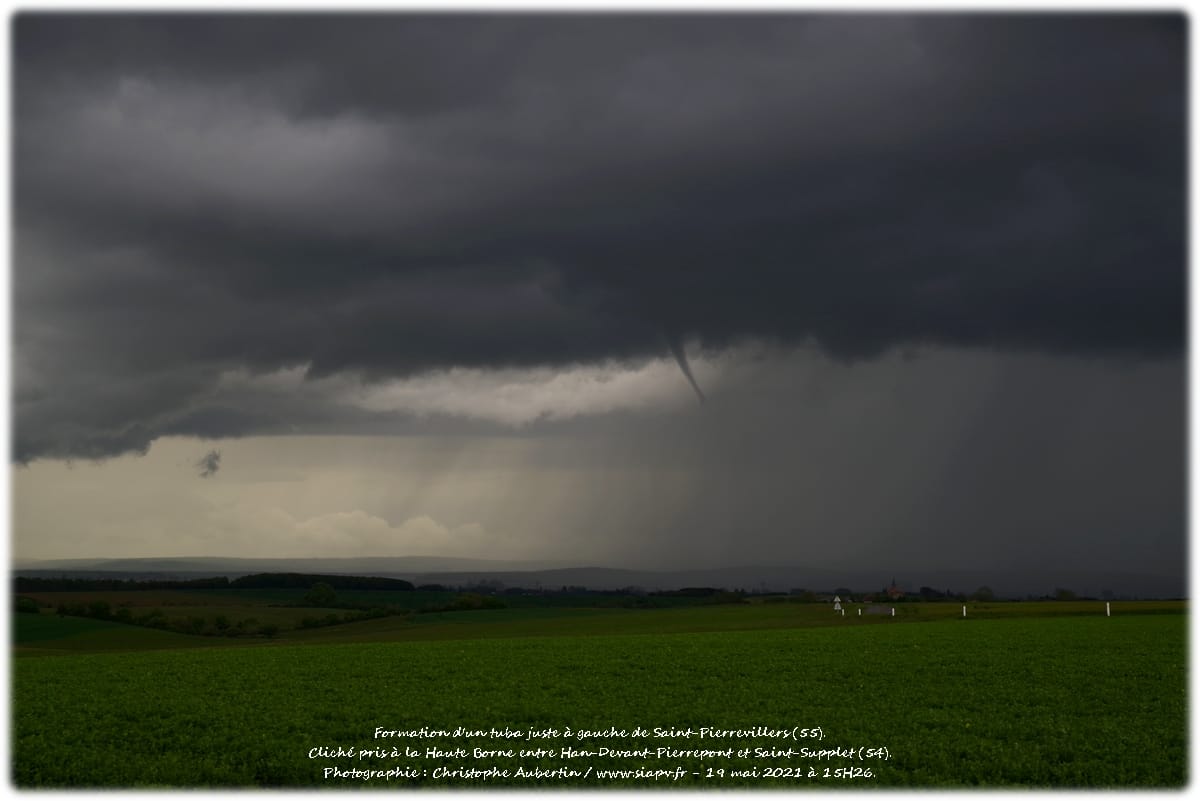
(209, 464)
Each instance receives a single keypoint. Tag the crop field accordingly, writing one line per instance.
(1031, 695)
(46, 634)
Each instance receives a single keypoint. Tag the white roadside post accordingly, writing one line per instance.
(893, 611)
(1107, 609)
(964, 610)
(860, 611)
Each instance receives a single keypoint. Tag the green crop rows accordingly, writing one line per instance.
(1038, 701)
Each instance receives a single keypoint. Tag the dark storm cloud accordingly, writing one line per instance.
(387, 195)
(1001, 460)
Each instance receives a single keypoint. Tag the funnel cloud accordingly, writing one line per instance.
(681, 359)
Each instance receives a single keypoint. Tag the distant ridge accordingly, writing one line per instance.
(455, 571)
(245, 566)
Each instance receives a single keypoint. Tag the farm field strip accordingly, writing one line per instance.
(48, 635)
(533, 622)
(562, 621)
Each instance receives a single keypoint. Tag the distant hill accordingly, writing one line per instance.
(236, 566)
(453, 571)
(305, 580)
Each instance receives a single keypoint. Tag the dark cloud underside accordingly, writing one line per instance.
(385, 195)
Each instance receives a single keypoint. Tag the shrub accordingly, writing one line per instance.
(155, 619)
(321, 594)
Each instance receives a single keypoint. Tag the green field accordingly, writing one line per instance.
(1016, 695)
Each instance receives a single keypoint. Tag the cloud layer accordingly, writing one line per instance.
(945, 460)
(378, 198)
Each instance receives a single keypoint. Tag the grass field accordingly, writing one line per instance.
(1016, 695)
(533, 616)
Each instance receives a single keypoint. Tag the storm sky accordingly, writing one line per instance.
(413, 284)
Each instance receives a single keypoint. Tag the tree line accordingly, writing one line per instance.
(253, 581)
